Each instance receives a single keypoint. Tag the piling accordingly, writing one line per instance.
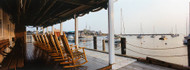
(95, 42)
(103, 45)
(188, 51)
(123, 45)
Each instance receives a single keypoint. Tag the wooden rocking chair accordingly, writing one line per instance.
(74, 55)
(37, 42)
(56, 54)
(40, 42)
(60, 50)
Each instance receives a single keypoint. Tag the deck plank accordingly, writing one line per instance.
(36, 59)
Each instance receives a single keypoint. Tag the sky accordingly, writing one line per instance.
(164, 15)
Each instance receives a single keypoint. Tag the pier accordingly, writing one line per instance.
(148, 34)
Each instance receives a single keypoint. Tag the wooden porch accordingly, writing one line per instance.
(32, 58)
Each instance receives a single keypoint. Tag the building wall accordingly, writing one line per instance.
(6, 27)
(6, 31)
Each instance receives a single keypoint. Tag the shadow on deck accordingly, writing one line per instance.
(32, 58)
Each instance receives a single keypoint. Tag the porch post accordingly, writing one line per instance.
(36, 30)
(76, 30)
(111, 33)
(52, 30)
(43, 30)
(189, 20)
(47, 30)
(61, 29)
(20, 42)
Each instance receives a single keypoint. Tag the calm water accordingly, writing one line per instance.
(171, 50)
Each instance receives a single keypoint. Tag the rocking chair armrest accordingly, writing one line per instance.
(79, 49)
(73, 46)
(82, 47)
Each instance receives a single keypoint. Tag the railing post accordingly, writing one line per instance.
(52, 30)
(36, 30)
(95, 42)
(123, 45)
(76, 31)
(188, 51)
(103, 45)
(61, 28)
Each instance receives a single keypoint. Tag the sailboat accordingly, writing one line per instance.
(185, 41)
(140, 36)
(122, 24)
(175, 35)
(153, 36)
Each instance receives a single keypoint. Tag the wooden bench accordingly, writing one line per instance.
(3, 45)
(14, 59)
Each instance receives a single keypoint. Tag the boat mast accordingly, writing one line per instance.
(121, 21)
(153, 29)
(186, 25)
(172, 32)
(175, 29)
(141, 30)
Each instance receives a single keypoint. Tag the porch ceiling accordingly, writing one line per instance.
(48, 12)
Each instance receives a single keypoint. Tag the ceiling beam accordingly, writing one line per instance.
(73, 11)
(50, 6)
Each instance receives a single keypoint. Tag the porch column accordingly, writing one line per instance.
(76, 30)
(189, 20)
(47, 30)
(61, 28)
(111, 33)
(52, 30)
(43, 30)
(36, 30)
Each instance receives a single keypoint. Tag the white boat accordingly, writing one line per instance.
(117, 39)
(163, 38)
(185, 41)
(174, 35)
(140, 36)
(152, 36)
(71, 38)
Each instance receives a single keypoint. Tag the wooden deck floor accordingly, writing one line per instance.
(36, 59)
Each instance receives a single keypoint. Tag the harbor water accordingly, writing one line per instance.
(171, 50)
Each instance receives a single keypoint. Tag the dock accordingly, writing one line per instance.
(148, 34)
